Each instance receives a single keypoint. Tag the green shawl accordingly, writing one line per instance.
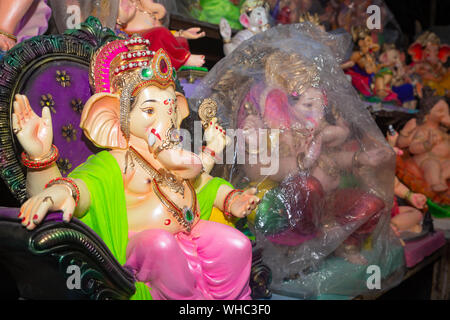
(207, 195)
(107, 215)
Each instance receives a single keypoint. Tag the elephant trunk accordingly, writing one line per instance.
(183, 163)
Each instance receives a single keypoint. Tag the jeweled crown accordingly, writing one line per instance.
(119, 61)
(249, 5)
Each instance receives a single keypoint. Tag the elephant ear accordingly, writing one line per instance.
(100, 121)
(244, 19)
(444, 53)
(416, 52)
(183, 108)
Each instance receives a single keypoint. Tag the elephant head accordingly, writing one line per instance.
(137, 105)
(428, 48)
(434, 109)
(254, 15)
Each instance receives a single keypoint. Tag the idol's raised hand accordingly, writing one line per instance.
(225, 29)
(34, 133)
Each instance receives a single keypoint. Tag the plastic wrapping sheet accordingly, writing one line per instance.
(322, 168)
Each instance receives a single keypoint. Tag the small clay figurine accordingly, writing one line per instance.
(369, 77)
(393, 59)
(405, 218)
(255, 19)
(430, 144)
(429, 57)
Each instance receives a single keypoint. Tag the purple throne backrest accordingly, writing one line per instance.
(63, 86)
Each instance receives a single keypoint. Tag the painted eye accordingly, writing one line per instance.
(149, 111)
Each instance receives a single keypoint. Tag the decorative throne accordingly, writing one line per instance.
(53, 71)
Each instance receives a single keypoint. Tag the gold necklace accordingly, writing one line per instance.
(185, 216)
(162, 176)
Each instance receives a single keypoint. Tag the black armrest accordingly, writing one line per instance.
(38, 260)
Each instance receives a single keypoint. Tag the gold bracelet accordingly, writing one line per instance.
(226, 41)
(69, 183)
(8, 35)
(41, 163)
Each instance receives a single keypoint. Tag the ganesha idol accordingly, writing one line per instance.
(426, 165)
(373, 80)
(254, 17)
(308, 193)
(429, 57)
(140, 192)
(400, 83)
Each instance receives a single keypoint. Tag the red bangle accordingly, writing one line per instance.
(227, 199)
(74, 190)
(41, 163)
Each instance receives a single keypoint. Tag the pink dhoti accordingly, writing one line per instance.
(212, 262)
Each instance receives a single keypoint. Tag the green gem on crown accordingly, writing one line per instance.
(188, 215)
(146, 73)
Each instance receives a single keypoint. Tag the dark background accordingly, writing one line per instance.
(429, 13)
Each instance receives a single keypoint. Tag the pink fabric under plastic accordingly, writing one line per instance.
(212, 262)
